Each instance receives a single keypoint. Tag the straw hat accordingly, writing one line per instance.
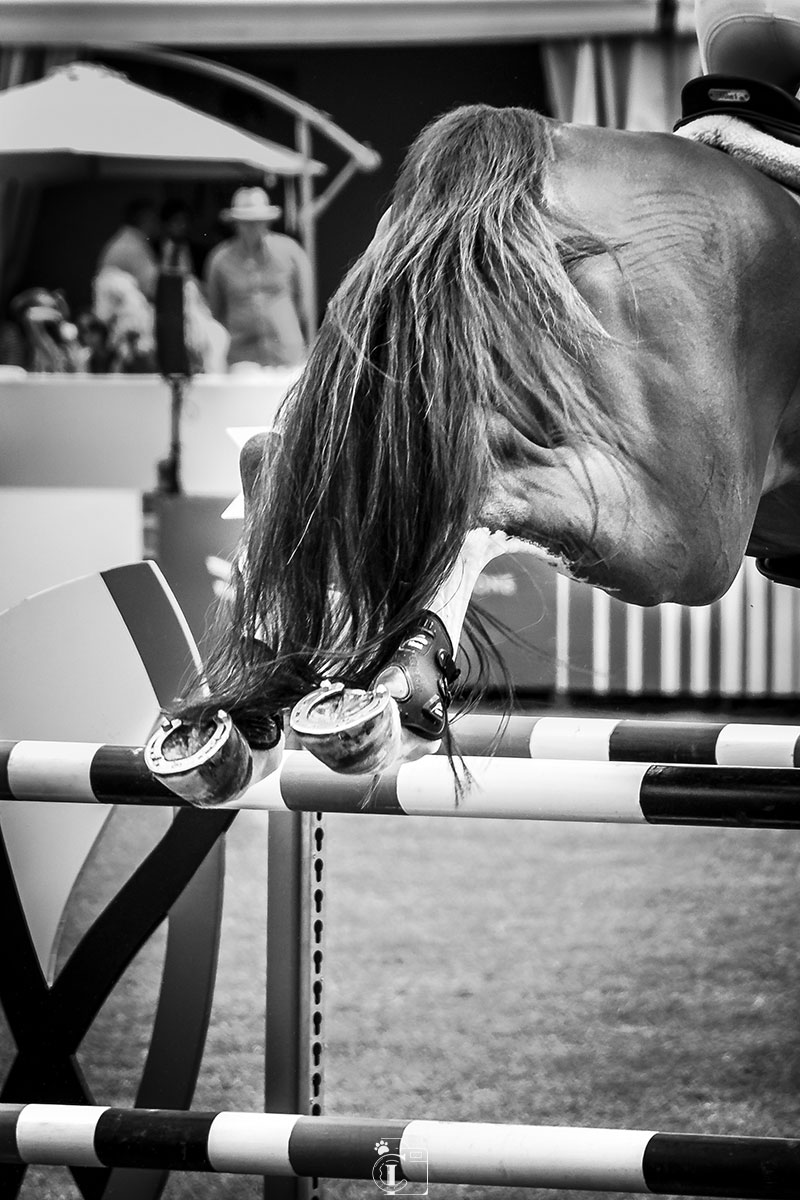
(251, 204)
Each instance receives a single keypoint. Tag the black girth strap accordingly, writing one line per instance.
(781, 570)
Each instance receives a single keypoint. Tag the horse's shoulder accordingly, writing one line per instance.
(657, 186)
(636, 157)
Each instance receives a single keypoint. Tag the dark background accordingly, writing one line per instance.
(382, 96)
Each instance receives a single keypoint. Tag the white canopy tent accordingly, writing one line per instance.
(84, 120)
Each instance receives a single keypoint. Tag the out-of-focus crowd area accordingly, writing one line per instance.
(116, 333)
(245, 301)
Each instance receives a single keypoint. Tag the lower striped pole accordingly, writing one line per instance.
(631, 793)
(277, 1144)
(730, 744)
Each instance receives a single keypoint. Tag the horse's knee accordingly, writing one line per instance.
(413, 747)
(265, 761)
(256, 451)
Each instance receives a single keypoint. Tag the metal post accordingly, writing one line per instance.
(308, 233)
(170, 467)
(294, 1047)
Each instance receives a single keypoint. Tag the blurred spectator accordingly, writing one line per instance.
(258, 285)
(94, 338)
(128, 318)
(131, 248)
(39, 336)
(206, 339)
(175, 247)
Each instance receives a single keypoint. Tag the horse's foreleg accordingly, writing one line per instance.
(451, 602)
(404, 714)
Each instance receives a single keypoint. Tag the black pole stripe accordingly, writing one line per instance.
(311, 791)
(118, 775)
(166, 1139)
(796, 753)
(9, 1152)
(479, 735)
(757, 797)
(341, 1147)
(5, 785)
(735, 1167)
(664, 742)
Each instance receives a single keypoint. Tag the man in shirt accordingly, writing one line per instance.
(258, 285)
(131, 247)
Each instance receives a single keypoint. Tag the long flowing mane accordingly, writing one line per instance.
(462, 307)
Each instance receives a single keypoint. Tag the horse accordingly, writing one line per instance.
(579, 337)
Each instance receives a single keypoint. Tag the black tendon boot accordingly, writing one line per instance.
(354, 731)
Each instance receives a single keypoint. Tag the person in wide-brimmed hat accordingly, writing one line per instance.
(258, 285)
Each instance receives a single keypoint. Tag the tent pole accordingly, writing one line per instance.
(308, 230)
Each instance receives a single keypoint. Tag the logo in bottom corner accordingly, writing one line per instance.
(394, 1164)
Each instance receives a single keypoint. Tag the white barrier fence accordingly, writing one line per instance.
(580, 640)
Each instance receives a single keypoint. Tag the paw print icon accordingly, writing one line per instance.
(400, 1170)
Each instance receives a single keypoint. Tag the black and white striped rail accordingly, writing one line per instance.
(498, 788)
(731, 744)
(276, 1144)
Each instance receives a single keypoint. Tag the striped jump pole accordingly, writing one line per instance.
(391, 1152)
(500, 788)
(732, 744)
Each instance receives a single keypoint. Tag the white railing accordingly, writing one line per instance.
(581, 640)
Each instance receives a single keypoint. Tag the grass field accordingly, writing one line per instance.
(630, 977)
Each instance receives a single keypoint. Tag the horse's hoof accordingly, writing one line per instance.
(206, 764)
(351, 731)
(420, 676)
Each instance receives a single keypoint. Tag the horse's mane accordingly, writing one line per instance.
(462, 307)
